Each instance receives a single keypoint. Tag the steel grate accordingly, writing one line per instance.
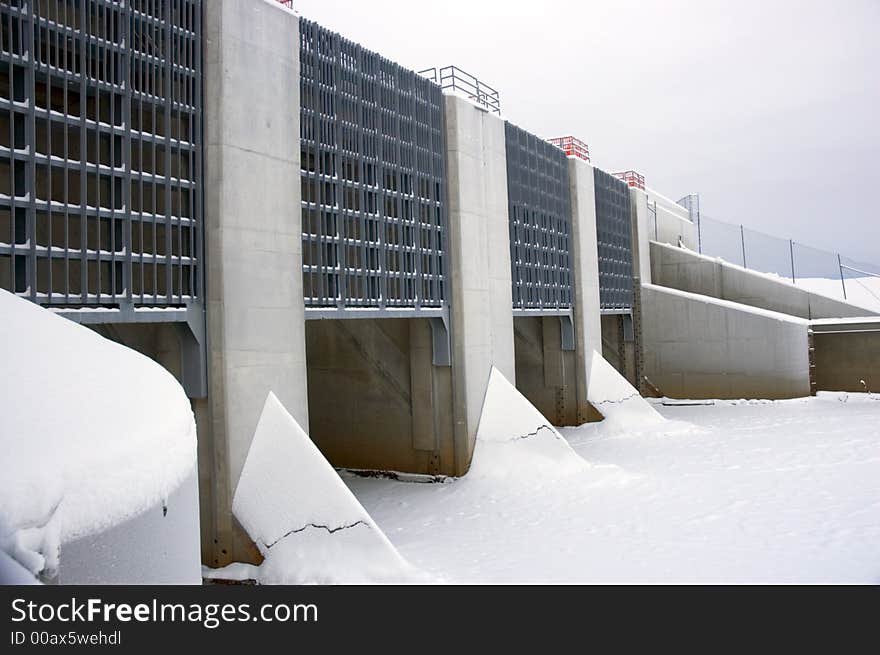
(100, 151)
(373, 179)
(614, 235)
(539, 206)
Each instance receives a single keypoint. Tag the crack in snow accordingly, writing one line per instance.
(535, 433)
(617, 402)
(318, 525)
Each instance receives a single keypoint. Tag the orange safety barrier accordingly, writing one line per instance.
(632, 178)
(572, 147)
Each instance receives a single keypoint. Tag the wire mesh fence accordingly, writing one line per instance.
(829, 273)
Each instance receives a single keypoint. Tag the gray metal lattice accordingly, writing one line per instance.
(373, 179)
(539, 206)
(614, 236)
(100, 151)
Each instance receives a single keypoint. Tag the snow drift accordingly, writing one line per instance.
(306, 523)
(93, 433)
(616, 399)
(514, 438)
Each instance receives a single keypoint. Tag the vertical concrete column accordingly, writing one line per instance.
(643, 220)
(643, 228)
(256, 331)
(585, 264)
(479, 254)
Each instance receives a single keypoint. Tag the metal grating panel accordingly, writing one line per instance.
(100, 151)
(373, 179)
(539, 206)
(614, 235)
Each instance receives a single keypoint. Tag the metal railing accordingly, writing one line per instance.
(823, 271)
(463, 83)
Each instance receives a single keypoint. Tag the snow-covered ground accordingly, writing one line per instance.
(735, 492)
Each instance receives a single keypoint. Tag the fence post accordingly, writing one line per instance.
(742, 235)
(791, 252)
(842, 282)
(699, 227)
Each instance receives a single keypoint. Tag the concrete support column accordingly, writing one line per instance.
(585, 264)
(644, 226)
(256, 332)
(479, 254)
(643, 234)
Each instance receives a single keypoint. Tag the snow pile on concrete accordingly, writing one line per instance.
(860, 291)
(616, 399)
(308, 526)
(92, 433)
(514, 438)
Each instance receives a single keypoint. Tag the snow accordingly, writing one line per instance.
(860, 291)
(513, 435)
(861, 320)
(237, 572)
(93, 433)
(615, 398)
(306, 523)
(13, 573)
(734, 492)
(729, 304)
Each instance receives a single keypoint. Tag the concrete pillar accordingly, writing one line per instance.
(479, 254)
(643, 222)
(585, 264)
(256, 333)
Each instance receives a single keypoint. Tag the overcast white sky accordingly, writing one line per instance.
(768, 109)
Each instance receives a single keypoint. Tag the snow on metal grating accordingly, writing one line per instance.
(100, 166)
(373, 179)
(539, 208)
(614, 236)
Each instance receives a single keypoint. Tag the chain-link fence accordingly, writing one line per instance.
(822, 271)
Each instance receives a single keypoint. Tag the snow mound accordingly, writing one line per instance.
(308, 526)
(93, 433)
(616, 399)
(514, 438)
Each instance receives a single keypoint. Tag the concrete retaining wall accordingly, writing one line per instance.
(689, 271)
(700, 347)
(375, 399)
(844, 359)
(545, 373)
(847, 354)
